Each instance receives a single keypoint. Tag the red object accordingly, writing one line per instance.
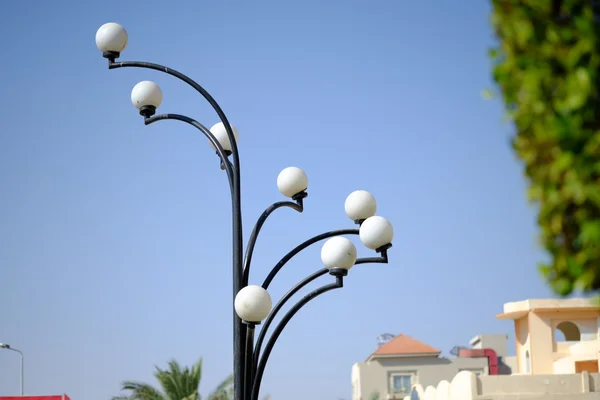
(57, 397)
(473, 353)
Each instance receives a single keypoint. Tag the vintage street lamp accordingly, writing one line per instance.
(252, 304)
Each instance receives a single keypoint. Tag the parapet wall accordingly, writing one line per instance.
(467, 386)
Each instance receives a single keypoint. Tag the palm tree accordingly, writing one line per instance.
(176, 383)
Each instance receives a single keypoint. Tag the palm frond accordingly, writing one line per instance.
(193, 396)
(192, 378)
(177, 383)
(170, 384)
(141, 391)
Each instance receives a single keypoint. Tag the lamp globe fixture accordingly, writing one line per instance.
(253, 304)
(376, 232)
(146, 96)
(111, 38)
(292, 181)
(220, 133)
(338, 253)
(360, 205)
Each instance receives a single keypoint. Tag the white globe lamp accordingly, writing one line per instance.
(146, 96)
(253, 304)
(220, 133)
(292, 181)
(360, 205)
(111, 40)
(376, 232)
(338, 253)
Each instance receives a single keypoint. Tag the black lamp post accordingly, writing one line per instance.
(251, 303)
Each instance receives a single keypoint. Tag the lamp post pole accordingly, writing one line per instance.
(7, 347)
(252, 304)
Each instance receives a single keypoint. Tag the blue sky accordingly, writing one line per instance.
(114, 241)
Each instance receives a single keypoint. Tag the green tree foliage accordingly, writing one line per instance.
(547, 66)
(176, 383)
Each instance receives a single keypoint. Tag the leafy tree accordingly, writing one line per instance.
(547, 66)
(176, 383)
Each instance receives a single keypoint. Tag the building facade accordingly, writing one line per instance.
(558, 355)
(396, 366)
(558, 336)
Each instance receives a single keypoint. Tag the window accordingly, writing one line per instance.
(401, 383)
(567, 331)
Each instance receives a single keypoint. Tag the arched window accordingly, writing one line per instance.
(527, 363)
(567, 331)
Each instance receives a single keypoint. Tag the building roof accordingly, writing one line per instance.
(519, 309)
(405, 346)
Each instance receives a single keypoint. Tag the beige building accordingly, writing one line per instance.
(555, 336)
(395, 366)
(557, 345)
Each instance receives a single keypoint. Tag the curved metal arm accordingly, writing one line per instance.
(298, 206)
(267, 322)
(22, 379)
(281, 325)
(383, 259)
(222, 155)
(301, 247)
(195, 85)
(15, 350)
(236, 204)
(22, 375)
